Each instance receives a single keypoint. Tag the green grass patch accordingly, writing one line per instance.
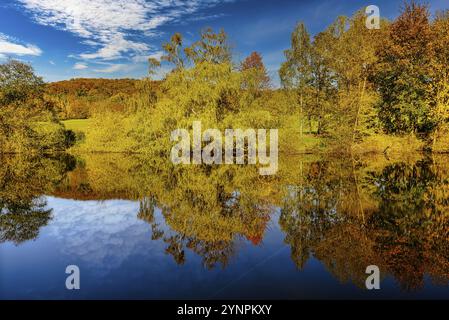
(389, 144)
(77, 125)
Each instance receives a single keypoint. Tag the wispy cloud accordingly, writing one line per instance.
(110, 26)
(80, 66)
(12, 46)
(144, 58)
(113, 68)
(210, 17)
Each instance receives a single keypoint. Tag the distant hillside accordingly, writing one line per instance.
(93, 87)
(80, 98)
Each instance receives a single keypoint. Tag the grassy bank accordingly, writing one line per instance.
(291, 142)
(80, 125)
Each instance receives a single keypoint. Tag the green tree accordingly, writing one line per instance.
(353, 57)
(322, 89)
(403, 72)
(22, 105)
(212, 47)
(439, 86)
(19, 84)
(296, 72)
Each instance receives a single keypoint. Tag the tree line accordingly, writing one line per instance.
(355, 88)
(81, 98)
(347, 88)
(356, 81)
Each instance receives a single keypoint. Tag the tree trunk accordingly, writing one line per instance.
(359, 107)
(434, 142)
(301, 115)
(310, 123)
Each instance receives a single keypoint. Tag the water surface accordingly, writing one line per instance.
(140, 228)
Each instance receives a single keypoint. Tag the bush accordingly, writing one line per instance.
(54, 137)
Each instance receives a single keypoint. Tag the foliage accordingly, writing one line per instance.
(439, 86)
(402, 75)
(211, 47)
(392, 213)
(329, 76)
(22, 105)
(210, 90)
(255, 74)
(81, 98)
(19, 84)
(348, 86)
(24, 180)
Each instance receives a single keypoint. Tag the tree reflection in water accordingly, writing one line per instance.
(347, 214)
(396, 217)
(23, 181)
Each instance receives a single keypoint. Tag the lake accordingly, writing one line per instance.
(141, 228)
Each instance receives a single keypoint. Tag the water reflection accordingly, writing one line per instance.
(347, 214)
(395, 217)
(23, 180)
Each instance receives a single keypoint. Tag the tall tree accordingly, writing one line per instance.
(296, 71)
(173, 51)
(22, 105)
(353, 57)
(19, 83)
(153, 65)
(439, 86)
(212, 47)
(20, 89)
(256, 76)
(323, 78)
(403, 72)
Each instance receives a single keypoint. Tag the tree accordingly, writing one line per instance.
(173, 51)
(402, 76)
(153, 65)
(20, 89)
(296, 72)
(323, 91)
(212, 47)
(19, 84)
(22, 105)
(352, 59)
(439, 73)
(255, 73)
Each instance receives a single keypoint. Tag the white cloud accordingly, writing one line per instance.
(52, 62)
(114, 48)
(92, 231)
(113, 68)
(11, 46)
(144, 58)
(80, 66)
(109, 25)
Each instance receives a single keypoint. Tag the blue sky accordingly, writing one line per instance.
(66, 39)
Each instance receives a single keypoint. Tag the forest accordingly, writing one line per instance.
(347, 89)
